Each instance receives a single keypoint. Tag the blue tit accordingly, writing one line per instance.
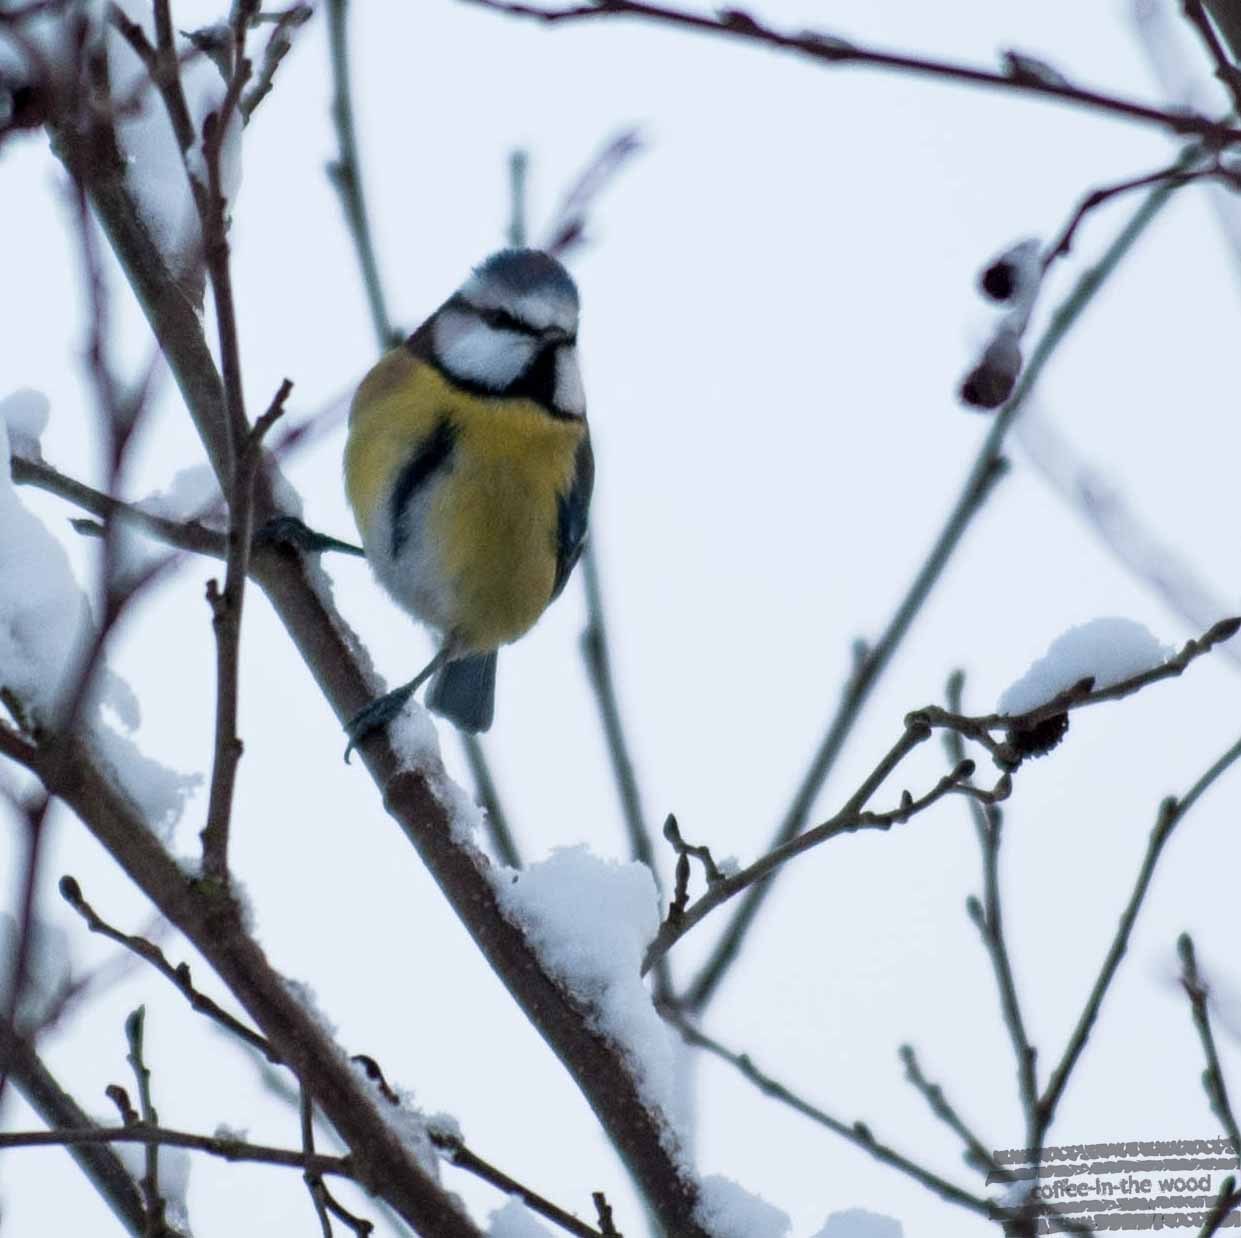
(469, 470)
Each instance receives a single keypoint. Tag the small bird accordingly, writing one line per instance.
(469, 470)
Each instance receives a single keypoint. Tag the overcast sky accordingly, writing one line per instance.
(778, 305)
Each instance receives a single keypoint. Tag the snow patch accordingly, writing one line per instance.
(858, 1223)
(590, 921)
(515, 1220)
(24, 412)
(727, 1210)
(46, 629)
(404, 1119)
(157, 792)
(45, 621)
(1107, 649)
(156, 172)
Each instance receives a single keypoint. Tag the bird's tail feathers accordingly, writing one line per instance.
(465, 692)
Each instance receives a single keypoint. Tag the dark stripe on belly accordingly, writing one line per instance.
(432, 455)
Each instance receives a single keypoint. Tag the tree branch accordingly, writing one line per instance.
(831, 50)
(346, 175)
(279, 44)
(1171, 812)
(189, 535)
(154, 1136)
(857, 1133)
(1227, 72)
(60, 1111)
(226, 610)
(849, 819)
(1213, 1076)
(179, 976)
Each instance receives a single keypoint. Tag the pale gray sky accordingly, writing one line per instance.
(778, 305)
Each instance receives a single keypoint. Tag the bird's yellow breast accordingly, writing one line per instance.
(490, 523)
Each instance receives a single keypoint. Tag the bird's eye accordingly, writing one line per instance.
(502, 320)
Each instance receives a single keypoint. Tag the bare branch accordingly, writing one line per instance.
(279, 44)
(1227, 1199)
(1121, 526)
(1171, 812)
(568, 229)
(454, 1150)
(226, 609)
(189, 535)
(152, 1199)
(598, 659)
(346, 175)
(158, 1136)
(60, 1111)
(1173, 176)
(1213, 1077)
(179, 975)
(850, 818)
(1227, 72)
(495, 819)
(977, 1152)
(857, 1133)
(1078, 696)
(831, 50)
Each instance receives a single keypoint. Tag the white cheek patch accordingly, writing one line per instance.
(570, 396)
(476, 353)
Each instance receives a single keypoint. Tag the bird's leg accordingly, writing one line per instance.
(380, 712)
(290, 531)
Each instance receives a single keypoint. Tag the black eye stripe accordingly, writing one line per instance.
(505, 321)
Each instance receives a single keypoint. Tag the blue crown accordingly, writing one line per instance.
(522, 271)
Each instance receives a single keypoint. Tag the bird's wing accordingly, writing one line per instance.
(574, 508)
(429, 457)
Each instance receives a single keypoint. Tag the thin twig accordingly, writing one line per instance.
(495, 820)
(179, 975)
(607, 1227)
(226, 611)
(1078, 696)
(61, 1112)
(918, 727)
(158, 1136)
(848, 820)
(1119, 524)
(518, 176)
(451, 1145)
(162, 66)
(1173, 177)
(153, 1200)
(831, 50)
(1213, 1076)
(279, 44)
(1227, 1199)
(857, 1133)
(314, 1181)
(1227, 72)
(598, 659)
(988, 918)
(191, 535)
(567, 230)
(345, 174)
(977, 1152)
(1171, 812)
(461, 1156)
